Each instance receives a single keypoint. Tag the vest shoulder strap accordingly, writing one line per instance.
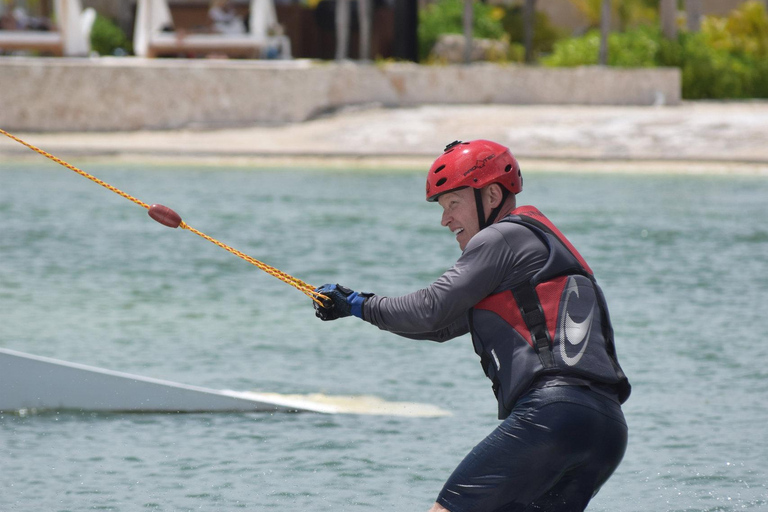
(525, 293)
(533, 315)
(533, 217)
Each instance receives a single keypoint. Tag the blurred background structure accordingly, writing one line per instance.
(375, 29)
(58, 27)
(613, 52)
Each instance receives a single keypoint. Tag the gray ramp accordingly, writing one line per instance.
(41, 383)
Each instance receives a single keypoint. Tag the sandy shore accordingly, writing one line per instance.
(696, 137)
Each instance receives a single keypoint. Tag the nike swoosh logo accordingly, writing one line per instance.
(574, 333)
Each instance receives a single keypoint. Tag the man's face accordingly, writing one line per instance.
(460, 214)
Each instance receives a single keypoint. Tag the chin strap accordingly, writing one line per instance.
(494, 213)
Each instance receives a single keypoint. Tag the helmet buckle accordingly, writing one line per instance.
(452, 144)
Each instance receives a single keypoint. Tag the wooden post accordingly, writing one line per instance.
(605, 30)
(693, 15)
(668, 15)
(468, 22)
(342, 29)
(405, 44)
(529, 27)
(364, 17)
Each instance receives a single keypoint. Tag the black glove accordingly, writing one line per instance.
(341, 302)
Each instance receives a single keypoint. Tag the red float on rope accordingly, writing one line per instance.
(165, 215)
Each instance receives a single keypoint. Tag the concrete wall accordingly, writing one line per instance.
(50, 94)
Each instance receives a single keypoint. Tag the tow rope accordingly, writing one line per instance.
(170, 218)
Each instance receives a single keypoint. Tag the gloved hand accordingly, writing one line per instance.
(341, 302)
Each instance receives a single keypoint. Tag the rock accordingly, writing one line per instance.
(450, 49)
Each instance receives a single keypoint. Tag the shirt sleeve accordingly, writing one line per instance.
(439, 311)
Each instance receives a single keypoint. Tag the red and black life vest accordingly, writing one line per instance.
(556, 323)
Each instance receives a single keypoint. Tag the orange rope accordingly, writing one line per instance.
(300, 285)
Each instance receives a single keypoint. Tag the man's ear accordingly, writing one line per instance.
(493, 194)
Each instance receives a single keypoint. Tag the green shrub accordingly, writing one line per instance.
(714, 73)
(727, 59)
(576, 51)
(634, 48)
(761, 79)
(107, 38)
(544, 33)
(445, 17)
(516, 53)
(744, 31)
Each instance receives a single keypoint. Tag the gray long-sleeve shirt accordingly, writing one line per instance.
(497, 258)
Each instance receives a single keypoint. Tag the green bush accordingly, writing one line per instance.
(628, 13)
(761, 79)
(516, 53)
(445, 17)
(635, 48)
(744, 32)
(544, 33)
(713, 73)
(727, 59)
(107, 38)
(576, 51)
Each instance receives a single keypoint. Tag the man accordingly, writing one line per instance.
(540, 325)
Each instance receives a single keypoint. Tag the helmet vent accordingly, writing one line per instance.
(508, 168)
(439, 169)
(441, 182)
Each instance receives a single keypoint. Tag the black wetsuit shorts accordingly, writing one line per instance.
(553, 453)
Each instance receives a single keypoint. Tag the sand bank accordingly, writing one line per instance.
(694, 137)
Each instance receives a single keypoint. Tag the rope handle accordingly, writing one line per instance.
(170, 218)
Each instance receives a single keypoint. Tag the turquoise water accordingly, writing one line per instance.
(86, 276)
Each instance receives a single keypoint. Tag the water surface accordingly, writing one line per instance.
(86, 276)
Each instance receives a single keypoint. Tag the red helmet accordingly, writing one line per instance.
(475, 164)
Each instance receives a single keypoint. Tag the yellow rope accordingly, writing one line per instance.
(286, 278)
(73, 168)
(300, 285)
